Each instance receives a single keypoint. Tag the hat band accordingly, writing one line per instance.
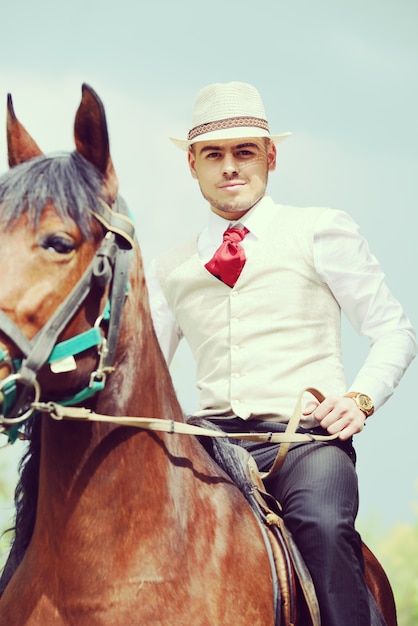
(230, 122)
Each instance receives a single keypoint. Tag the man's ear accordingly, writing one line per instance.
(192, 162)
(271, 156)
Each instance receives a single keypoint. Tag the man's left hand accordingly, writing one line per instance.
(337, 413)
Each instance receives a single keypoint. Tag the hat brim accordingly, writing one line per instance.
(230, 133)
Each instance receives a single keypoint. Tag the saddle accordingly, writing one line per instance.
(297, 601)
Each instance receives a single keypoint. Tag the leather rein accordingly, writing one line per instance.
(59, 412)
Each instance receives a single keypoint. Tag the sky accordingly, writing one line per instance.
(341, 76)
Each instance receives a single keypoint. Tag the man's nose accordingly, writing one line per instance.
(230, 165)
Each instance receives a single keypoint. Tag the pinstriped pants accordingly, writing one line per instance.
(317, 487)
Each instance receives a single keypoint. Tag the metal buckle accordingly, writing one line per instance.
(13, 378)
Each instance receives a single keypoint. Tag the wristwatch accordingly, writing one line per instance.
(364, 402)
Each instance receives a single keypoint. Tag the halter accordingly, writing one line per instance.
(110, 264)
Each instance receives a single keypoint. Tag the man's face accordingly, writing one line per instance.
(232, 173)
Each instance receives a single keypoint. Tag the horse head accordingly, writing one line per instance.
(66, 243)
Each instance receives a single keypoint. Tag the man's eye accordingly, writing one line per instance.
(58, 244)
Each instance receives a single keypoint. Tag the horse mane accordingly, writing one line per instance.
(68, 180)
(25, 498)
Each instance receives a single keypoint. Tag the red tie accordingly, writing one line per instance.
(229, 259)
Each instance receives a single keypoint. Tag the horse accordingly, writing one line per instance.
(114, 524)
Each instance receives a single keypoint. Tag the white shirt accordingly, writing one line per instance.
(343, 261)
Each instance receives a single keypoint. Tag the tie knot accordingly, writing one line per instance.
(229, 259)
(235, 234)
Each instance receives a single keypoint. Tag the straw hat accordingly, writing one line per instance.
(228, 111)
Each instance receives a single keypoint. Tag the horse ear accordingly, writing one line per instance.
(92, 139)
(21, 146)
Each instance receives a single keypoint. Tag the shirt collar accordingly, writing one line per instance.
(256, 220)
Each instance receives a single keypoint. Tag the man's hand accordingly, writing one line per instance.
(337, 413)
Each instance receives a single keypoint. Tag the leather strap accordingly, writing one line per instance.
(291, 431)
(116, 220)
(60, 412)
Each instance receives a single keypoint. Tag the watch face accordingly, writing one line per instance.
(365, 402)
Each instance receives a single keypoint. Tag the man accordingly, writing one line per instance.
(262, 317)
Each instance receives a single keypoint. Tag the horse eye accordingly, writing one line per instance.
(58, 244)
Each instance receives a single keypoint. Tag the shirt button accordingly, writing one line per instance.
(234, 320)
(235, 348)
(236, 375)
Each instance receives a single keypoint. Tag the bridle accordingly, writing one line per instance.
(21, 390)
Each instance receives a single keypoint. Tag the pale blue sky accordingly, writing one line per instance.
(341, 75)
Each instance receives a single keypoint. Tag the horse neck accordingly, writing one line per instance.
(141, 383)
(78, 455)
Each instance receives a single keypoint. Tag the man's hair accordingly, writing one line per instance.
(266, 141)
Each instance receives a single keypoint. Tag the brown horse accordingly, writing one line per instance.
(114, 525)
